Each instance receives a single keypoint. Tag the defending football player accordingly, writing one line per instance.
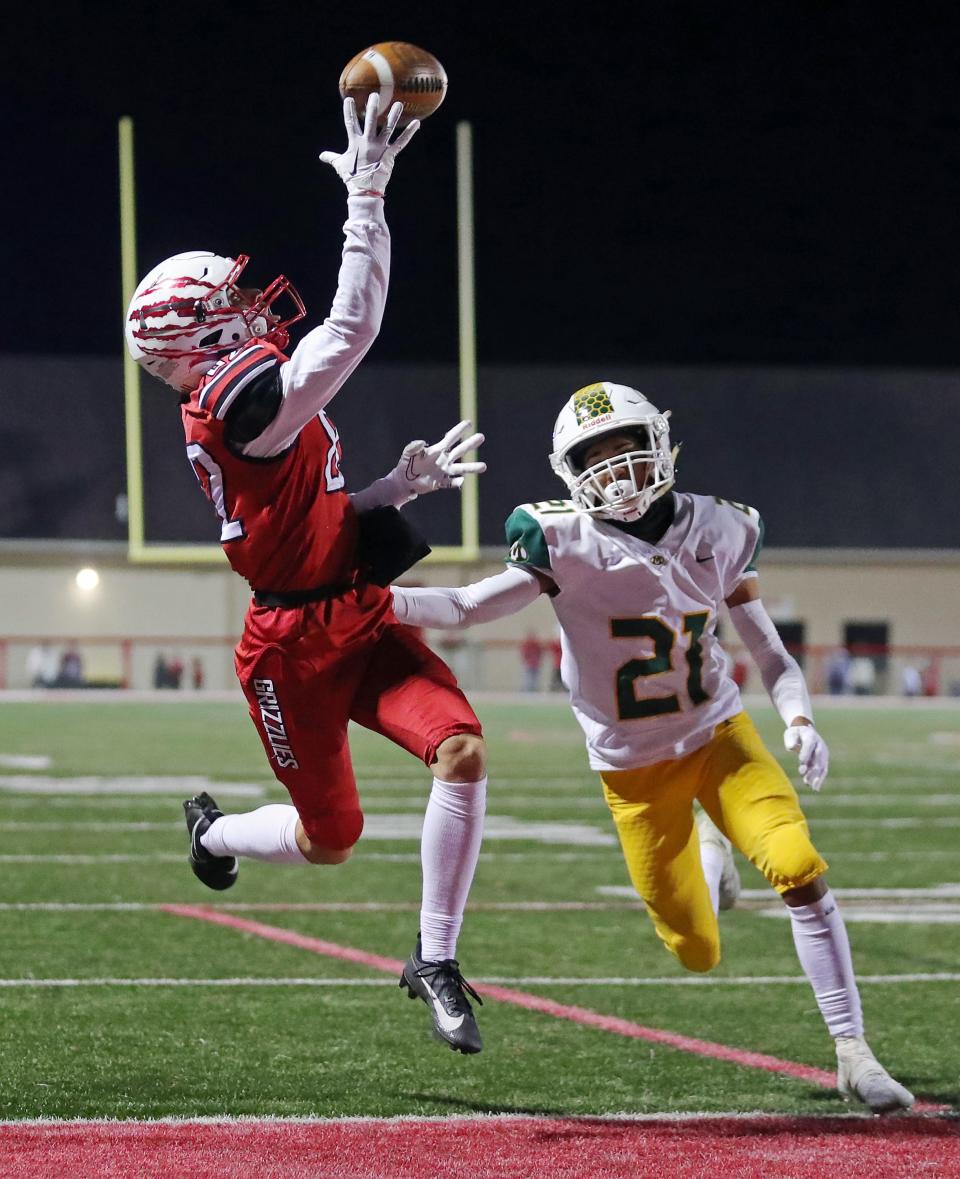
(637, 574)
(321, 645)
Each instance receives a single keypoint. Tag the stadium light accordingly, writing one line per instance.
(87, 579)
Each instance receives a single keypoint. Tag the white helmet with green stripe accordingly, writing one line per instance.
(622, 485)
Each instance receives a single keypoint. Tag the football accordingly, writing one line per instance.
(399, 72)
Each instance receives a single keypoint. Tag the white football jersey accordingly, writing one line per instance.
(647, 678)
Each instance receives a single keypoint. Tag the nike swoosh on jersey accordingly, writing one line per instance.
(709, 557)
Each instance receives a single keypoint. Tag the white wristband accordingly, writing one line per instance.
(390, 491)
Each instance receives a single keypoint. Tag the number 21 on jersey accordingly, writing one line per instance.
(664, 639)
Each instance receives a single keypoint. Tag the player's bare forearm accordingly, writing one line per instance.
(747, 591)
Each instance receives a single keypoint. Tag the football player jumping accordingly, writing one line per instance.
(321, 645)
(637, 573)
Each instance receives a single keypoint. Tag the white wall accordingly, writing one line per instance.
(199, 610)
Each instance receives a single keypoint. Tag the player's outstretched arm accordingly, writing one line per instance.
(484, 601)
(422, 469)
(782, 679)
(326, 356)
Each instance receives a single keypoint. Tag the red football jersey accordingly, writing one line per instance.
(286, 522)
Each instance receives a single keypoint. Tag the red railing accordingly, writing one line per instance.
(938, 668)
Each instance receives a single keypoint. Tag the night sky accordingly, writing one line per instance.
(760, 183)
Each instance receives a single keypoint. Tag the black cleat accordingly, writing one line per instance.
(441, 986)
(218, 872)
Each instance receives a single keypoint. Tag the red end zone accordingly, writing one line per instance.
(505, 1148)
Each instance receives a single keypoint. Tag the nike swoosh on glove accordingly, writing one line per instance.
(367, 163)
(814, 756)
(429, 468)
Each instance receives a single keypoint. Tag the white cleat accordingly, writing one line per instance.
(861, 1076)
(710, 833)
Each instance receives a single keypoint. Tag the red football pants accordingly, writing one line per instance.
(306, 672)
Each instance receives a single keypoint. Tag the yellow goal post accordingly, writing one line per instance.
(142, 551)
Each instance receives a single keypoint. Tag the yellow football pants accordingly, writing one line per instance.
(745, 792)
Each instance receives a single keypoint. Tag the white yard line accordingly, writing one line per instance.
(415, 814)
(533, 980)
(24, 761)
(944, 914)
(107, 826)
(901, 782)
(78, 907)
(634, 905)
(101, 858)
(927, 823)
(916, 855)
(76, 804)
(753, 701)
(901, 798)
(94, 784)
(543, 853)
(592, 801)
(940, 899)
(384, 857)
(945, 892)
(40, 983)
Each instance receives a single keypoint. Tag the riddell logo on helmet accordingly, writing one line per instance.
(590, 423)
(273, 725)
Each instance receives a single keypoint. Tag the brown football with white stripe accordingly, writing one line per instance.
(399, 72)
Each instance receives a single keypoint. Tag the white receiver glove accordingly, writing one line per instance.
(367, 163)
(813, 751)
(425, 468)
(422, 469)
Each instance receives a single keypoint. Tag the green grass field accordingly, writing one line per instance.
(339, 1039)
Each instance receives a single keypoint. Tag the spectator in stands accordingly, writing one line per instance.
(196, 673)
(71, 669)
(838, 673)
(739, 672)
(531, 656)
(175, 672)
(160, 671)
(911, 681)
(863, 675)
(556, 654)
(42, 665)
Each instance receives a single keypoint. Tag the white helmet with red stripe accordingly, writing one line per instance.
(189, 312)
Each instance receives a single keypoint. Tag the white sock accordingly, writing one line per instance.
(711, 857)
(268, 833)
(824, 952)
(452, 831)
